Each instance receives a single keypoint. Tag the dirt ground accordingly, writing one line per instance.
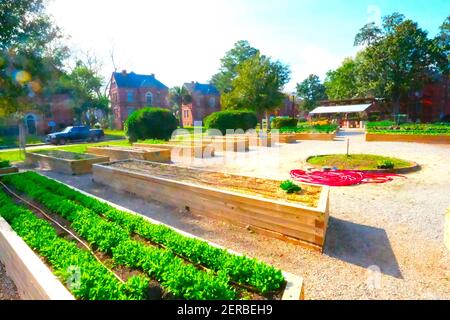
(383, 242)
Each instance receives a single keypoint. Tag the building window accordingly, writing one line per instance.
(212, 102)
(130, 110)
(130, 96)
(31, 122)
(149, 99)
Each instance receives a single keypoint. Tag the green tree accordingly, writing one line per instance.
(241, 52)
(179, 96)
(31, 54)
(343, 83)
(258, 85)
(311, 91)
(397, 60)
(84, 84)
(441, 51)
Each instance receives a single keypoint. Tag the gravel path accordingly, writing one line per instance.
(395, 228)
(8, 289)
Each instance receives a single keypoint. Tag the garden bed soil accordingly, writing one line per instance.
(255, 140)
(417, 138)
(181, 150)
(253, 203)
(157, 154)
(63, 161)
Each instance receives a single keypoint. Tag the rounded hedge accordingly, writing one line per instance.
(231, 119)
(280, 122)
(150, 123)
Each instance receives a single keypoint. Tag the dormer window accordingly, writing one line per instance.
(149, 98)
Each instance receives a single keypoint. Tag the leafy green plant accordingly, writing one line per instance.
(280, 122)
(231, 120)
(95, 282)
(150, 123)
(290, 187)
(241, 269)
(385, 164)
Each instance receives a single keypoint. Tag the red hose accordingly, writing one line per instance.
(341, 178)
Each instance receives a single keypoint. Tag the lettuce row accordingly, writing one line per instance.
(95, 282)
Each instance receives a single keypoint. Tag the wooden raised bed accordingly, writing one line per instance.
(8, 170)
(443, 139)
(284, 138)
(33, 279)
(181, 150)
(63, 161)
(255, 140)
(221, 144)
(125, 153)
(315, 136)
(261, 210)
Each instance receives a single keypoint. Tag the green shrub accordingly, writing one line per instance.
(279, 123)
(4, 164)
(150, 123)
(231, 119)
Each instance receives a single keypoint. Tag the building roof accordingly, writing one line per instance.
(341, 109)
(206, 89)
(133, 80)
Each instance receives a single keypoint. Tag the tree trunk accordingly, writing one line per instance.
(267, 120)
(396, 105)
(180, 111)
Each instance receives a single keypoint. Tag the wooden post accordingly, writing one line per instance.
(348, 146)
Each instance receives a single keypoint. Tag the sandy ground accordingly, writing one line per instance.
(383, 242)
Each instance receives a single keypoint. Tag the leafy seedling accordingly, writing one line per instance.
(290, 187)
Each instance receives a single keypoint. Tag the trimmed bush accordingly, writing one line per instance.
(150, 123)
(279, 123)
(4, 164)
(231, 119)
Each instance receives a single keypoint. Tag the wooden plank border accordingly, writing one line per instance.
(181, 150)
(33, 279)
(8, 170)
(294, 284)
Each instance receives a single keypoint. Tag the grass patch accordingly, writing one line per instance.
(356, 161)
(17, 156)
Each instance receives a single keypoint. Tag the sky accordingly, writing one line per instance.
(183, 40)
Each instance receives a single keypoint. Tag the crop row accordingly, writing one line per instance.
(240, 269)
(307, 128)
(87, 278)
(181, 279)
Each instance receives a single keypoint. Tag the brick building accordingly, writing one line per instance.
(51, 114)
(205, 100)
(130, 92)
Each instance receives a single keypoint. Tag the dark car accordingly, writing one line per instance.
(71, 134)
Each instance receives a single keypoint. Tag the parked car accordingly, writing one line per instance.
(72, 134)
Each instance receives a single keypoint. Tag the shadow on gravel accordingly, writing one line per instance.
(361, 245)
